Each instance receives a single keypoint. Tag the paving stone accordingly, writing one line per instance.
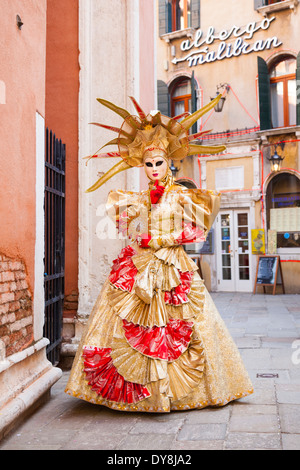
(209, 416)
(87, 440)
(245, 409)
(197, 445)
(288, 393)
(253, 441)
(275, 343)
(255, 423)
(282, 333)
(247, 342)
(39, 437)
(31, 447)
(261, 396)
(291, 441)
(159, 427)
(198, 432)
(289, 418)
(150, 441)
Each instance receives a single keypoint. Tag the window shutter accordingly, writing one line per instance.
(195, 14)
(163, 101)
(163, 17)
(298, 90)
(194, 100)
(259, 3)
(264, 94)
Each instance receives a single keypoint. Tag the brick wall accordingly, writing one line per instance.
(16, 316)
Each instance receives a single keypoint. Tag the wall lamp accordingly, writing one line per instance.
(173, 169)
(219, 106)
(275, 161)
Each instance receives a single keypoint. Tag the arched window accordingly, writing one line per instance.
(283, 209)
(181, 97)
(283, 92)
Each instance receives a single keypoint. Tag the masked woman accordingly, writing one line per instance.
(155, 341)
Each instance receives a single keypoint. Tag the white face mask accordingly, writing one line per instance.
(155, 168)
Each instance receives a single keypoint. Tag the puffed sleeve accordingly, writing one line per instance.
(122, 207)
(193, 212)
(200, 208)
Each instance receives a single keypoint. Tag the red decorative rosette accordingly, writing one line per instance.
(167, 342)
(191, 234)
(105, 380)
(123, 270)
(179, 294)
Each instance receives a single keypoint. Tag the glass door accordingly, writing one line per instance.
(233, 251)
(242, 251)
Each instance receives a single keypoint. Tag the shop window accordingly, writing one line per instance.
(283, 209)
(279, 97)
(283, 93)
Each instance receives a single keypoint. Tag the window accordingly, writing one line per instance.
(175, 16)
(270, 6)
(279, 92)
(181, 97)
(181, 14)
(283, 209)
(283, 93)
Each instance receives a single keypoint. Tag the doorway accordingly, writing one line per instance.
(233, 251)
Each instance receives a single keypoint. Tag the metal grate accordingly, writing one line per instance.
(267, 376)
(54, 243)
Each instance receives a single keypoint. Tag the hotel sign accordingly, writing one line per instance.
(234, 42)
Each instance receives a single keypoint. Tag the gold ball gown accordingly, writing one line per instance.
(154, 341)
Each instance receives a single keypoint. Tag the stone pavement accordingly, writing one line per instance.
(266, 329)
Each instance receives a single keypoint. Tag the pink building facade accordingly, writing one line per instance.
(25, 372)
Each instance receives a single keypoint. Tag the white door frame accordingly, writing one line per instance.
(234, 284)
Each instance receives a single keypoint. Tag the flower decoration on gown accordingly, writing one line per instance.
(154, 340)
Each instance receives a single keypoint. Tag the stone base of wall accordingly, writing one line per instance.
(16, 316)
(25, 377)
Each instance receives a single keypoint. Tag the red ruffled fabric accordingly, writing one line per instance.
(123, 270)
(167, 342)
(178, 295)
(105, 380)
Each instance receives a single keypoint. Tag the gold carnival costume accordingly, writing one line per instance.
(155, 341)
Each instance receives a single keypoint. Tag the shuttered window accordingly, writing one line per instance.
(163, 101)
(264, 94)
(283, 93)
(259, 3)
(176, 15)
(279, 93)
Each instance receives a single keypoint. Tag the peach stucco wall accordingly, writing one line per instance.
(62, 88)
(22, 73)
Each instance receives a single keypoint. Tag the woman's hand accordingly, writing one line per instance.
(156, 193)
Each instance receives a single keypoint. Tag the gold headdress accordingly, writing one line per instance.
(139, 135)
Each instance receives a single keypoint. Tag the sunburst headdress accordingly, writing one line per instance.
(140, 135)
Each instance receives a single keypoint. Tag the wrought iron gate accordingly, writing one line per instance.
(54, 243)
